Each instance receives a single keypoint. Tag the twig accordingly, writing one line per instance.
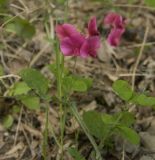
(133, 6)
(27, 140)
(12, 18)
(18, 125)
(140, 55)
(136, 74)
(9, 76)
(123, 153)
(38, 55)
(139, 45)
(3, 61)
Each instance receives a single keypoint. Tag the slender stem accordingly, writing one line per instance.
(60, 66)
(85, 129)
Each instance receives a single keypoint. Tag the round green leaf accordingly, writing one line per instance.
(96, 126)
(31, 102)
(129, 134)
(35, 80)
(21, 27)
(123, 89)
(20, 88)
(150, 3)
(7, 121)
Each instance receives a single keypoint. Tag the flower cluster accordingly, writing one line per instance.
(117, 22)
(73, 43)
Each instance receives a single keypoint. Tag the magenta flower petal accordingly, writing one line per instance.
(66, 47)
(70, 46)
(114, 20)
(115, 36)
(66, 30)
(90, 47)
(92, 27)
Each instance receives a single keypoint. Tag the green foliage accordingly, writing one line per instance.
(61, 1)
(78, 85)
(7, 121)
(125, 118)
(103, 126)
(35, 80)
(75, 154)
(15, 109)
(94, 122)
(123, 89)
(21, 27)
(1, 71)
(150, 3)
(75, 83)
(143, 100)
(131, 1)
(3, 5)
(31, 102)
(129, 134)
(19, 88)
(53, 69)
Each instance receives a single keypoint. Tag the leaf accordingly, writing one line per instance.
(126, 118)
(131, 1)
(143, 100)
(7, 121)
(88, 82)
(67, 84)
(21, 27)
(3, 2)
(31, 102)
(15, 109)
(81, 84)
(108, 119)
(61, 1)
(75, 154)
(53, 69)
(20, 88)
(150, 3)
(1, 71)
(3, 5)
(123, 89)
(35, 80)
(129, 134)
(73, 83)
(93, 121)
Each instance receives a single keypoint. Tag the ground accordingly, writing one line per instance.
(132, 60)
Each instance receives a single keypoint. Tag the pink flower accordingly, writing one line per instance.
(90, 47)
(115, 20)
(115, 36)
(66, 30)
(117, 23)
(70, 46)
(92, 27)
(73, 43)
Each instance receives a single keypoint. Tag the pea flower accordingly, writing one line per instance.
(117, 23)
(115, 36)
(73, 43)
(92, 27)
(115, 20)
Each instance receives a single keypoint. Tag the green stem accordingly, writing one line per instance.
(60, 66)
(85, 129)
